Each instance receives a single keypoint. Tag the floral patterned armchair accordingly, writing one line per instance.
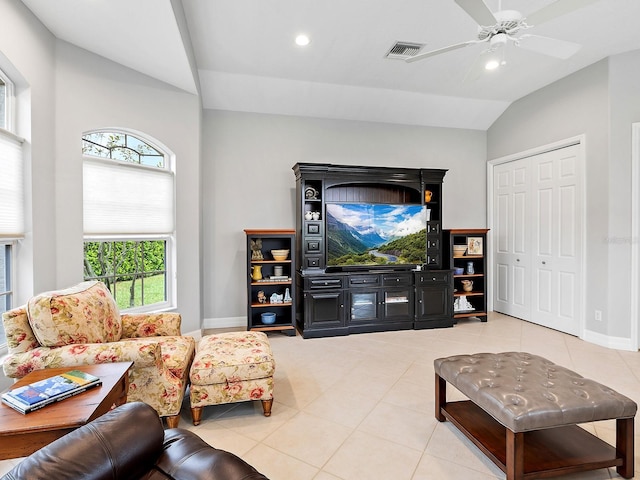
(81, 325)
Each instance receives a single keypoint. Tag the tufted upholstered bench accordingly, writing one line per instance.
(523, 413)
(231, 367)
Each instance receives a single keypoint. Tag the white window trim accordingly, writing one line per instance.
(9, 107)
(170, 237)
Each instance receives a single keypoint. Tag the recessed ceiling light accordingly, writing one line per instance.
(302, 40)
(492, 65)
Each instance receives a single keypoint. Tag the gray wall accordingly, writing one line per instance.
(249, 183)
(28, 57)
(624, 95)
(597, 102)
(69, 91)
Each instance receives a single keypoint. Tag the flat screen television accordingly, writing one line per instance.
(369, 234)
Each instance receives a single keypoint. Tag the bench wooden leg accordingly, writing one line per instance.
(515, 455)
(624, 446)
(441, 397)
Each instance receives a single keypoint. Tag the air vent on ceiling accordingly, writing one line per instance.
(404, 50)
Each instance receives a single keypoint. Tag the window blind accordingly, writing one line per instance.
(126, 199)
(11, 186)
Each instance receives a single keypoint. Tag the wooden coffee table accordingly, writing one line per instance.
(21, 435)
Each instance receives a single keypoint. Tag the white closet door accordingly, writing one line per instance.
(537, 233)
(511, 232)
(556, 248)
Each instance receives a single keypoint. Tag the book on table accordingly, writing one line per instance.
(38, 394)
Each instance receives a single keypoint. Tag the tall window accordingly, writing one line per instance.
(128, 189)
(11, 199)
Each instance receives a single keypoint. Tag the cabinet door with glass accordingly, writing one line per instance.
(364, 305)
(397, 297)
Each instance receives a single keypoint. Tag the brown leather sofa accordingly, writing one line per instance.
(130, 443)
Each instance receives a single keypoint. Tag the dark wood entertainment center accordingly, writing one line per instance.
(340, 300)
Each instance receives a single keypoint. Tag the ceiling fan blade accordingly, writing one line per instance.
(479, 11)
(433, 53)
(548, 46)
(556, 9)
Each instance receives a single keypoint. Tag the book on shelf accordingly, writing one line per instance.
(38, 394)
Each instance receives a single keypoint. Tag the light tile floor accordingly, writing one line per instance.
(362, 406)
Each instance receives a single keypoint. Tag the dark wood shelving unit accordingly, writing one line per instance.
(477, 297)
(272, 239)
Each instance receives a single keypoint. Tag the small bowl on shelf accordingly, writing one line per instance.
(458, 250)
(268, 318)
(280, 255)
(458, 271)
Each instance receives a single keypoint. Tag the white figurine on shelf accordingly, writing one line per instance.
(276, 298)
(287, 296)
(461, 304)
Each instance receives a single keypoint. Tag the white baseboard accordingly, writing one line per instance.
(229, 322)
(617, 343)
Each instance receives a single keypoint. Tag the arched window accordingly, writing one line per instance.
(129, 210)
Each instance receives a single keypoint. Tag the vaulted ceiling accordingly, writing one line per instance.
(246, 59)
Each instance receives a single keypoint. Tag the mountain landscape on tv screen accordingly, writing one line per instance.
(375, 234)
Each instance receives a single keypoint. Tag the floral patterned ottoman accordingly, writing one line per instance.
(231, 367)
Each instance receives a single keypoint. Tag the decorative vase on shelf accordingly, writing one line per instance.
(308, 216)
(467, 285)
(256, 272)
(427, 195)
(470, 269)
(287, 296)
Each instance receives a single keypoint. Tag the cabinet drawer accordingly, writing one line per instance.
(314, 229)
(323, 283)
(433, 259)
(364, 280)
(312, 262)
(426, 278)
(433, 242)
(400, 279)
(312, 246)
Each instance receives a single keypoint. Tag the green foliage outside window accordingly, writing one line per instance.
(134, 271)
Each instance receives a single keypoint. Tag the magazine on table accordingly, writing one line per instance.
(38, 394)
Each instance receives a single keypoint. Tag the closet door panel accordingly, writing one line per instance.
(557, 252)
(511, 283)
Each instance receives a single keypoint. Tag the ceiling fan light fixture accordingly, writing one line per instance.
(499, 40)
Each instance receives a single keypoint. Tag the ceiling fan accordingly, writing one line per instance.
(504, 26)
